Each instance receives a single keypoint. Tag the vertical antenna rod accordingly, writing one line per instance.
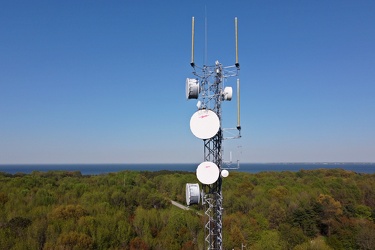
(192, 42)
(238, 105)
(236, 34)
(205, 35)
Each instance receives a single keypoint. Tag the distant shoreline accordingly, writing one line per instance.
(95, 169)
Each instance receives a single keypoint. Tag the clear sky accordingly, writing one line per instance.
(104, 81)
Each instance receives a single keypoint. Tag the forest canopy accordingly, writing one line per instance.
(316, 209)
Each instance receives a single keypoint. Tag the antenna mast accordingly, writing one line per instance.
(192, 42)
(208, 88)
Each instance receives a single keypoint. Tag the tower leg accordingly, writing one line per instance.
(213, 228)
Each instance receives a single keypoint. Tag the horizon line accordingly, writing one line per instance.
(171, 163)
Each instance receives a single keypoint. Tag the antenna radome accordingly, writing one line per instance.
(236, 34)
(192, 42)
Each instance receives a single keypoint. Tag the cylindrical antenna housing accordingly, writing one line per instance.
(192, 42)
(238, 105)
(236, 34)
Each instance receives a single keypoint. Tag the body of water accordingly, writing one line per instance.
(95, 169)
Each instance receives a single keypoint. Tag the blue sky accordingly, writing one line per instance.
(104, 81)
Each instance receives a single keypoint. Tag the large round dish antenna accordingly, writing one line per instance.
(192, 193)
(192, 88)
(204, 124)
(207, 172)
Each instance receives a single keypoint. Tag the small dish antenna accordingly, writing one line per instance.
(207, 172)
(192, 88)
(192, 193)
(228, 93)
(224, 173)
(204, 124)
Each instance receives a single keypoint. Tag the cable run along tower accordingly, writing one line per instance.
(208, 87)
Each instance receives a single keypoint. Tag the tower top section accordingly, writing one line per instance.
(192, 62)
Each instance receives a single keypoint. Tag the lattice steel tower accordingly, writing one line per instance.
(210, 90)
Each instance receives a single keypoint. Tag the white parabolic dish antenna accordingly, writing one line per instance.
(224, 173)
(228, 93)
(207, 172)
(204, 124)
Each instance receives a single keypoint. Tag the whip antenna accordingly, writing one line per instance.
(236, 34)
(205, 35)
(238, 105)
(192, 42)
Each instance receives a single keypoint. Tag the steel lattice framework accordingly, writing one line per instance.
(211, 80)
(208, 88)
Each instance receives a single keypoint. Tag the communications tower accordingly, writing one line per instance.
(209, 88)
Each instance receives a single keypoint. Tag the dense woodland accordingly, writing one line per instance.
(318, 209)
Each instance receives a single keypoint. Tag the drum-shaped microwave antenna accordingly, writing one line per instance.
(192, 88)
(192, 193)
(204, 124)
(207, 172)
(228, 93)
